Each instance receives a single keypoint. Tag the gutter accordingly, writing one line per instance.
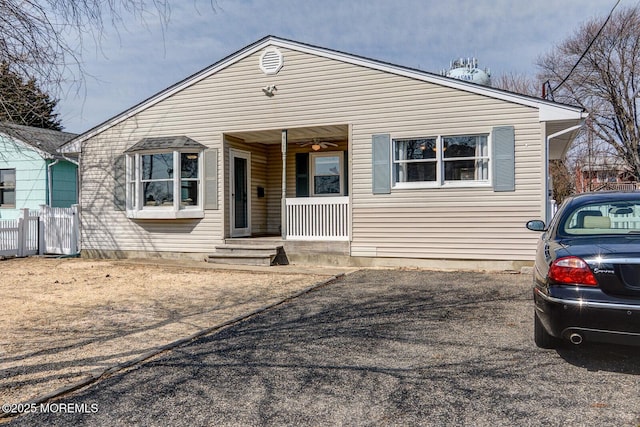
(547, 214)
(75, 162)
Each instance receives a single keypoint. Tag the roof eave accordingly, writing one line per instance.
(558, 112)
(42, 153)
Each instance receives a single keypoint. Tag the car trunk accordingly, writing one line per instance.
(616, 265)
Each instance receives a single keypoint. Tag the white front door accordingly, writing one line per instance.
(240, 185)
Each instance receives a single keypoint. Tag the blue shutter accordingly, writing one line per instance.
(211, 178)
(503, 158)
(120, 183)
(302, 174)
(381, 164)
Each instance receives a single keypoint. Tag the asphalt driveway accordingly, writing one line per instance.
(378, 347)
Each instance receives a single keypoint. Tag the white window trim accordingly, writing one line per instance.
(135, 205)
(312, 172)
(439, 160)
(8, 188)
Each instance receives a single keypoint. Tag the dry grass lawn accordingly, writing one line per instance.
(65, 319)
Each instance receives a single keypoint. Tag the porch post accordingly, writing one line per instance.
(283, 226)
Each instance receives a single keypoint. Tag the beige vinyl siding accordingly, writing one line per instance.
(460, 223)
(274, 189)
(103, 227)
(450, 222)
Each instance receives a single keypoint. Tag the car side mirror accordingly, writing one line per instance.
(536, 225)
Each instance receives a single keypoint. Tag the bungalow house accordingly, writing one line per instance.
(335, 157)
(32, 172)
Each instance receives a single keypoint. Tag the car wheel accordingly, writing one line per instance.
(540, 335)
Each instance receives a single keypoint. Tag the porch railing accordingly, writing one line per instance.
(317, 218)
(618, 186)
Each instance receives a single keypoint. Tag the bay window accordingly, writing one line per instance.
(164, 184)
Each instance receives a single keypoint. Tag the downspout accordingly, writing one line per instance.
(547, 214)
(50, 180)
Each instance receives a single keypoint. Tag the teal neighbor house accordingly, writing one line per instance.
(32, 172)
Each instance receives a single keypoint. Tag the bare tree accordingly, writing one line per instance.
(518, 83)
(40, 40)
(598, 68)
(561, 174)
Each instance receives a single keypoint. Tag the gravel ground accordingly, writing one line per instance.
(65, 321)
(378, 347)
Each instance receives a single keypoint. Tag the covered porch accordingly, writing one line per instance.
(289, 184)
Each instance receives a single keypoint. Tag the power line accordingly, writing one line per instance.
(585, 51)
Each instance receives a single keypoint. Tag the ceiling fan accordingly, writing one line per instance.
(316, 144)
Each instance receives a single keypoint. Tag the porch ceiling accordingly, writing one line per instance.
(559, 145)
(327, 133)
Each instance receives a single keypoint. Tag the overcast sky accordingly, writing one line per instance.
(135, 63)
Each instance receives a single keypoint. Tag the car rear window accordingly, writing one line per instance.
(609, 217)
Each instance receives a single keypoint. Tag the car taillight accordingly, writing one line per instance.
(572, 270)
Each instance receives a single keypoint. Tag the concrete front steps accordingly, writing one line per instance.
(244, 254)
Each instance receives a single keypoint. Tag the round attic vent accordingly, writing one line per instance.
(271, 61)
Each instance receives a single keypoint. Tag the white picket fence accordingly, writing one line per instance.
(45, 231)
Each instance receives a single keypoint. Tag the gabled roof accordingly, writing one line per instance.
(549, 110)
(45, 141)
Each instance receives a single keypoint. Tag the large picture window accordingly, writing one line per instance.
(164, 185)
(157, 179)
(441, 160)
(327, 174)
(7, 188)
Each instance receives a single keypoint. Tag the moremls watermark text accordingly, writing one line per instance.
(50, 408)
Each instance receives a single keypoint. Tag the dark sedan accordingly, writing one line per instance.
(587, 271)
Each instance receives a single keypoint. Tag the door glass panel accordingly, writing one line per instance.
(240, 190)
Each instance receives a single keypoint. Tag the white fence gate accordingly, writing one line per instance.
(48, 231)
(61, 230)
